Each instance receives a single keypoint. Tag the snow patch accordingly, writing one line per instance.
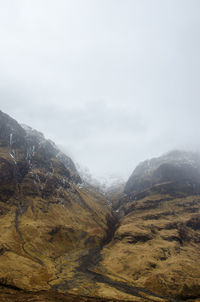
(13, 158)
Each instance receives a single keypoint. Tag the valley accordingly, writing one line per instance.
(64, 240)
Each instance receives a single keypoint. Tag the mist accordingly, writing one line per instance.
(111, 82)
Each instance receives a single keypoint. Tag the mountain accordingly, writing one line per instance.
(178, 170)
(157, 244)
(62, 239)
(50, 224)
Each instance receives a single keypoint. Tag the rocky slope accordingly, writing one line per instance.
(180, 168)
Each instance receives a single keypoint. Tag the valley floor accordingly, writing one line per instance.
(12, 295)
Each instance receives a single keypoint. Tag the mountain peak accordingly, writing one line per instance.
(175, 166)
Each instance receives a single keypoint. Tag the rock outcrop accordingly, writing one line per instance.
(179, 169)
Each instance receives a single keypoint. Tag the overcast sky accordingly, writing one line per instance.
(111, 81)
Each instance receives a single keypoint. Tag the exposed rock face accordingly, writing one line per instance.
(176, 167)
(11, 133)
(47, 150)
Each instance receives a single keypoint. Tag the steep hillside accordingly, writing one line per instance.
(157, 245)
(61, 241)
(179, 169)
(49, 222)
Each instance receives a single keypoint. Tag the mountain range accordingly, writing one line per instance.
(64, 239)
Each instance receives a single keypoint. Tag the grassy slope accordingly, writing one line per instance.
(46, 227)
(157, 246)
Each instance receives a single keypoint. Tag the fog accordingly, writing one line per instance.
(112, 82)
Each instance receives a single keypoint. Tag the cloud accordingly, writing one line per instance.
(113, 82)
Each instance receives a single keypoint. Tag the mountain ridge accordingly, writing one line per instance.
(174, 166)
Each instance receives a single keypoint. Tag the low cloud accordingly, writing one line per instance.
(111, 82)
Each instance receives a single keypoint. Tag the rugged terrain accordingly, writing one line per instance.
(157, 245)
(61, 240)
(49, 221)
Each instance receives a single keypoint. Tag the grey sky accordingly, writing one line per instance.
(112, 81)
